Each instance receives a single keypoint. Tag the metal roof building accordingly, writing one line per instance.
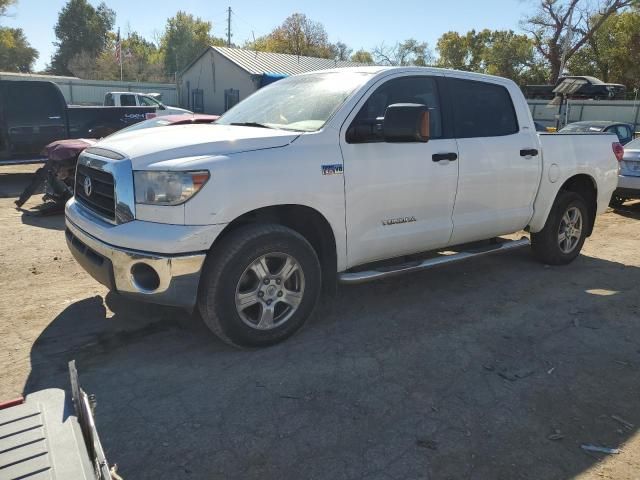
(220, 77)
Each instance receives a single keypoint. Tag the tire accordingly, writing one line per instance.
(546, 244)
(616, 201)
(235, 271)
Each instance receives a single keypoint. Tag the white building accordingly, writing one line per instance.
(220, 77)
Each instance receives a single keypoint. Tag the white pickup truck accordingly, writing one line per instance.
(349, 175)
(134, 99)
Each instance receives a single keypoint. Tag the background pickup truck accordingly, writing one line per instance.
(34, 114)
(348, 174)
(133, 99)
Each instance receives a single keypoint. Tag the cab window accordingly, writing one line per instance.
(128, 100)
(481, 109)
(420, 90)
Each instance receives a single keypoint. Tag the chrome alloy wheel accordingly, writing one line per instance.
(269, 291)
(570, 230)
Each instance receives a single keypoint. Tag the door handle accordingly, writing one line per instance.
(438, 157)
(528, 152)
(58, 117)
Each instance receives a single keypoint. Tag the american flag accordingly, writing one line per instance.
(118, 48)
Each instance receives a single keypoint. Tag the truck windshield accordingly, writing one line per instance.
(301, 103)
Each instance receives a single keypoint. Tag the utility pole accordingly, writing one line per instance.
(229, 27)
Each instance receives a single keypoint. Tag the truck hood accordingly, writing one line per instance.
(152, 146)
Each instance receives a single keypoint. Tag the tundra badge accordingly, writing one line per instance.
(335, 169)
(395, 221)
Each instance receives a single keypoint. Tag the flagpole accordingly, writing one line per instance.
(120, 42)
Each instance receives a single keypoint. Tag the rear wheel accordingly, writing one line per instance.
(563, 236)
(259, 285)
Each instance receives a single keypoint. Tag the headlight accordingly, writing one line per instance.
(168, 188)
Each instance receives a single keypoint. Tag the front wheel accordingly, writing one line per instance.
(259, 285)
(563, 236)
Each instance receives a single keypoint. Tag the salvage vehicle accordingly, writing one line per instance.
(50, 434)
(58, 173)
(629, 176)
(134, 99)
(590, 88)
(351, 174)
(35, 113)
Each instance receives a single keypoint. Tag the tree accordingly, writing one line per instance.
(80, 28)
(341, 51)
(142, 61)
(16, 55)
(409, 52)
(549, 27)
(4, 5)
(184, 38)
(362, 56)
(495, 52)
(613, 52)
(298, 35)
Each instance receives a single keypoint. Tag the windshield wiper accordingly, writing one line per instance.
(250, 124)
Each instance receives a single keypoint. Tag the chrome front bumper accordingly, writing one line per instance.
(177, 280)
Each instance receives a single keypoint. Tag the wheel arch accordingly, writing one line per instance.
(585, 186)
(308, 222)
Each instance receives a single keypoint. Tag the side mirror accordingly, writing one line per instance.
(406, 122)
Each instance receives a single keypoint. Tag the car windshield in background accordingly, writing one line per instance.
(302, 103)
(633, 145)
(581, 128)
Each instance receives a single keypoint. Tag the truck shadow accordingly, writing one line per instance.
(629, 210)
(496, 368)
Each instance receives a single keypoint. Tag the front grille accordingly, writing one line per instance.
(101, 199)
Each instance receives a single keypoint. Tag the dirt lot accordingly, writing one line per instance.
(466, 371)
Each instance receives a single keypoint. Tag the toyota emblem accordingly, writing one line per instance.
(88, 188)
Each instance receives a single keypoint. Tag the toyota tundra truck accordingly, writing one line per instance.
(345, 175)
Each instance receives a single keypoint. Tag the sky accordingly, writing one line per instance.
(358, 23)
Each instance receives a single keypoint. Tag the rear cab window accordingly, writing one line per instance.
(128, 100)
(481, 109)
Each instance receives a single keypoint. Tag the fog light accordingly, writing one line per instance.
(145, 277)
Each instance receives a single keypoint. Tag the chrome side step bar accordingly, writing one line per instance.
(385, 272)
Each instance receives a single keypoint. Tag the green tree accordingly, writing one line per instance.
(4, 5)
(16, 55)
(184, 38)
(613, 52)
(142, 61)
(409, 52)
(362, 56)
(549, 27)
(495, 52)
(80, 28)
(298, 35)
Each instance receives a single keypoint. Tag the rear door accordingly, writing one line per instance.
(499, 162)
(34, 115)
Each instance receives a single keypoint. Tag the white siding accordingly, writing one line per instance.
(213, 74)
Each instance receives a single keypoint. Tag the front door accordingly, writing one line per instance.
(399, 196)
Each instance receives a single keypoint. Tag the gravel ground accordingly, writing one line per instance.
(497, 368)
